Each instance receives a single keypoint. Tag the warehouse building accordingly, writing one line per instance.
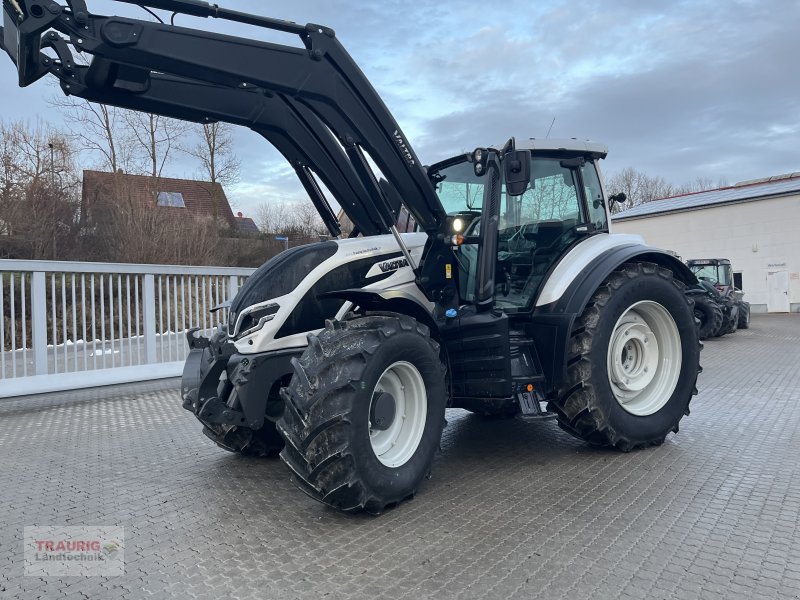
(755, 224)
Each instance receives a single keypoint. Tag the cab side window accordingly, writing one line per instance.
(594, 197)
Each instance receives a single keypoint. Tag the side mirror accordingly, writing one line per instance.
(517, 166)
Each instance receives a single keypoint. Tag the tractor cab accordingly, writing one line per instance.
(716, 272)
(560, 204)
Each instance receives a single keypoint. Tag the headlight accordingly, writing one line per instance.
(253, 318)
(458, 225)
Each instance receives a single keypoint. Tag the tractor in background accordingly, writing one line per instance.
(718, 304)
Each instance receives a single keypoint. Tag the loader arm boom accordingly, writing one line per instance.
(320, 79)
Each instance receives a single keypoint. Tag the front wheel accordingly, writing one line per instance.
(364, 412)
(634, 361)
(709, 313)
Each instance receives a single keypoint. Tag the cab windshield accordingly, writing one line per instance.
(534, 229)
(720, 274)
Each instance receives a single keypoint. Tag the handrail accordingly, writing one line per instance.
(82, 324)
(115, 268)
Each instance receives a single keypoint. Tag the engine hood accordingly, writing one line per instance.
(296, 276)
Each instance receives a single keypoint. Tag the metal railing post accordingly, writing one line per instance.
(233, 286)
(149, 300)
(39, 322)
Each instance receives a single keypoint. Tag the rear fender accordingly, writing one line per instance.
(552, 323)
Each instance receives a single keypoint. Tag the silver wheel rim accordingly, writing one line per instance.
(644, 358)
(395, 445)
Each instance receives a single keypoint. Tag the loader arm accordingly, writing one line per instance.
(320, 78)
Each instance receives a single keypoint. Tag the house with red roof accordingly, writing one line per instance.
(178, 199)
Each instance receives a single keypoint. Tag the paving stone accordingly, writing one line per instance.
(513, 510)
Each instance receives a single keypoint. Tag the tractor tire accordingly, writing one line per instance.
(729, 323)
(709, 313)
(744, 315)
(262, 442)
(345, 444)
(622, 389)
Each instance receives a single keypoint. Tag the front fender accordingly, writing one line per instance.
(392, 300)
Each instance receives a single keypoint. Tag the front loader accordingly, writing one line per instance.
(513, 298)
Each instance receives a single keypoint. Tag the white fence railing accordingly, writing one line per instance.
(68, 325)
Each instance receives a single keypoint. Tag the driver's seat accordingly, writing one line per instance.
(544, 253)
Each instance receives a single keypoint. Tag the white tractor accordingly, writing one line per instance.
(513, 298)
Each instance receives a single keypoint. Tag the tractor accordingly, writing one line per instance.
(719, 306)
(512, 298)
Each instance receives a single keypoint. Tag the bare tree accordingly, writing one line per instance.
(297, 220)
(641, 188)
(638, 187)
(700, 184)
(99, 130)
(38, 191)
(154, 137)
(271, 216)
(213, 148)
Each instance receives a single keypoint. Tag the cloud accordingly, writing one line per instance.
(680, 89)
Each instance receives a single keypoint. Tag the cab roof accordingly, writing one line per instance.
(707, 261)
(594, 149)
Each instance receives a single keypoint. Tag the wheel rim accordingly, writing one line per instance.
(396, 444)
(644, 358)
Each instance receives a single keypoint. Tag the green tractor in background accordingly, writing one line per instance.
(719, 305)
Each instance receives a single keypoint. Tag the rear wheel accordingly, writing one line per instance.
(364, 412)
(709, 313)
(634, 361)
(744, 315)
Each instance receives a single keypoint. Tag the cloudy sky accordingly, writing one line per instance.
(677, 89)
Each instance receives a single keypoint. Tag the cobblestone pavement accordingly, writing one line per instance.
(513, 509)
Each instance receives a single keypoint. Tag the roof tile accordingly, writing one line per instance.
(198, 196)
